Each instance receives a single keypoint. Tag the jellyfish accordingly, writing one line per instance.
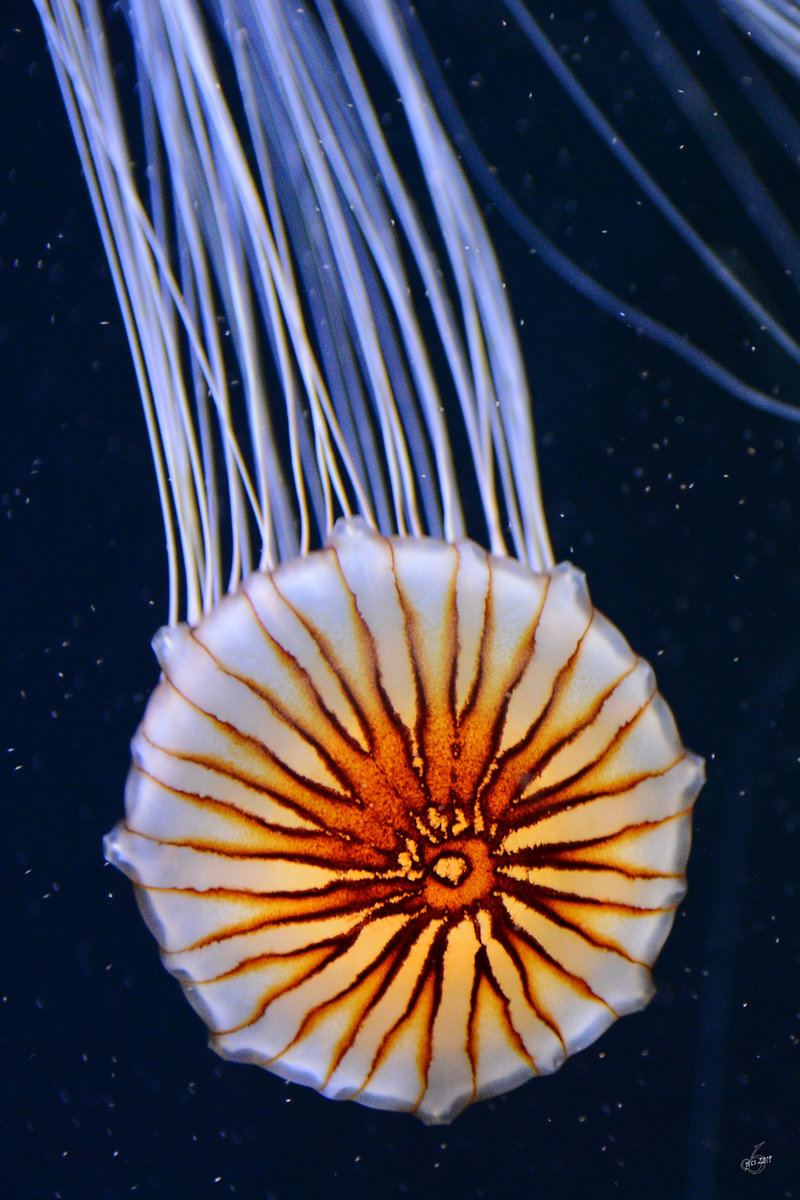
(406, 815)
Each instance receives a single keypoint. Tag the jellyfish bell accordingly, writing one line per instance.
(407, 817)
(408, 820)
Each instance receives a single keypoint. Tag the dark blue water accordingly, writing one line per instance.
(681, 506)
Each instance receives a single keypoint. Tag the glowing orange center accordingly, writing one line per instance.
(457, 874)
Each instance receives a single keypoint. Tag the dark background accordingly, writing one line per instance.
(681, 505)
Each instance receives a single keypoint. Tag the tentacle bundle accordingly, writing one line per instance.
(409, 821)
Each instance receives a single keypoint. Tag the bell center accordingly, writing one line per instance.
(451, 869)
(458, 874)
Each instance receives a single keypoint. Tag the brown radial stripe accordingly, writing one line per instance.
(358, 772)
(386, 966)
(559, 797)
(321, 955)
(527, 760)
(290, 908)
(336, 812)
(567, 855)
(479, 736)
(426, 991)
(343, 742)
(484, 974)
(292, 663)
(472, 695)
(435, 729)
(257, 750)
(559, 910)
(502, 782)
(576, 982)
(545, 903)
(471, 755)
(502, 934)
(547, 906)
(301, 845)
(391, 740)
